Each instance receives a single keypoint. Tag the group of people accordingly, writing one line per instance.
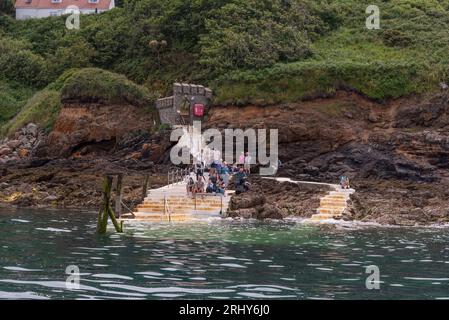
(220, 173)
(344, 182)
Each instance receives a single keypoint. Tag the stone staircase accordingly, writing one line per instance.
(172, 204)
(332, 205)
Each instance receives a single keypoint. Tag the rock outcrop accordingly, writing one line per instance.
(396, 154)
(269, 199)
(87, 128)
(22, 145)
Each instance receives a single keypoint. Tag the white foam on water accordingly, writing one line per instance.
(264, 296)
(111, 276)
(167, 289)
(169, 269)
(21, 269)
(27, 295)
(426, 279)
(264, 289)
(276, 266)
(232, 265)
(168, 295)
(227, 258)
(325, 269)
(150, 273)
(20, 220)
(63, 285)
(259, 286)
(53, 229)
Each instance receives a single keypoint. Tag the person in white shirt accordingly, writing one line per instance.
(247, 165)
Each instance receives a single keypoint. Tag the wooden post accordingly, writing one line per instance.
(118, 227)
(118, 196)
(106, 210)
(145, 187)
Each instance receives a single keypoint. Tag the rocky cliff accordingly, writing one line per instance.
(85, 128)
(396, 153)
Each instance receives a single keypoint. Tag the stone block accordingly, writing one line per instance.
(185, 88)
(177, 88)
(200, 90)
(208, 93)
(193, 89)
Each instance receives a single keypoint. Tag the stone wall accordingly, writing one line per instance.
(168, 107)
(166, 110)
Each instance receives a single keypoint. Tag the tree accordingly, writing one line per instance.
(256, 34)
(7, 7)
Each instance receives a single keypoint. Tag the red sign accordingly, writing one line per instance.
(198, 110)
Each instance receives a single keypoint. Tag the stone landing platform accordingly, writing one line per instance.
(172, 204)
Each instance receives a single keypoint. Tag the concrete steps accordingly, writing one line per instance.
(172, 204)
(332, 205)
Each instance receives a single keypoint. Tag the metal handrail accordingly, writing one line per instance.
(177, 176)
(167, 209)
(130, 211)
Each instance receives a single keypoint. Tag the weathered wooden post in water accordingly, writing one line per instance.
(145, 186)
(106, 210)
(118, 196)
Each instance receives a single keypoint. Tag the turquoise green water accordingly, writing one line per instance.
(216, 260)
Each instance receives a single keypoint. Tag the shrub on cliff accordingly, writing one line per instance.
(208, 39)
(256, 34)
(13, 97)
(42, 109)
(100, 86)
(311, 79)
(19, 63)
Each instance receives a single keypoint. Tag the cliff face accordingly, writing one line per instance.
(396, 153)
(86, 128)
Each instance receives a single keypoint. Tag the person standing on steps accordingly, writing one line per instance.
(344, 182)
(347, 183)
(247, 164)
(199, 169)
(241, 158)
(224, 174)
(200, 185)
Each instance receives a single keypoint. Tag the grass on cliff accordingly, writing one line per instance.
(408, 55)
(75, 85)
(96, 85)
(13, 97)
(304, 80)
(42, 109)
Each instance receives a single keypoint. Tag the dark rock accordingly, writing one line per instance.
(5, 151)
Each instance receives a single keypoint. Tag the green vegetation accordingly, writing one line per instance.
(12, 98)
(7, 7)
(96, 85)
(41, 109)
(75, 85)
(248, 51)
